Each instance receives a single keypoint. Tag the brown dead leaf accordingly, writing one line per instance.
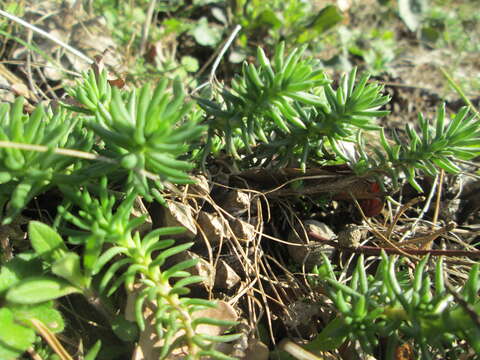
(16, 85)
(118, 83)
(308, 251)
(71, 24)
(200, 187)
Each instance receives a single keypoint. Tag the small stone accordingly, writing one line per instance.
(320, 229)
(236, 202)
(310, 251)
(179, 214)
(301, 315)
(242, 230)
(200, 187)
(5, 96)
(212, 226)
(225, 277)
(351, 236)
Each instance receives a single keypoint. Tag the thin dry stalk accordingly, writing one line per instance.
(50, 338)
(425, 209)
(31, 83)
(379, 235)
(146, 26)
(219, 53)
(46, 35)
(400, 212)
(70, 152)
(439, 196)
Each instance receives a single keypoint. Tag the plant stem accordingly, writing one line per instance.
(372, 250)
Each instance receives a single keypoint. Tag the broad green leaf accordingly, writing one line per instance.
(18, 268)
(46, 242)
(45, 312)
(14, 338)
(269, 17)
(38, 289)
(430, 34)
(5, 176)
(190, 63)
(205, 34)
(124, 329)
(220, 15)
(68, 267)
(327, 18)
(237, 56)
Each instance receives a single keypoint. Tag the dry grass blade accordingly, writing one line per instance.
(50, 338)
(379, 235)
(297, 351)
(47, 35)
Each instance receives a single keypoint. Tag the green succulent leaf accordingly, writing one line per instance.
(145, 131)
(289, 108)
(94, 350)
(28, 172)
(395, 305)
(331, 337)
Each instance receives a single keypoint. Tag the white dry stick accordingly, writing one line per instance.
(71, 152)
(219, 58)
(297, 351)
(47, 35)
(146, 26)
(424, 210)
(223, 51)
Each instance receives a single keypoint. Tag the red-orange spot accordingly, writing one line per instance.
(371, 207)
